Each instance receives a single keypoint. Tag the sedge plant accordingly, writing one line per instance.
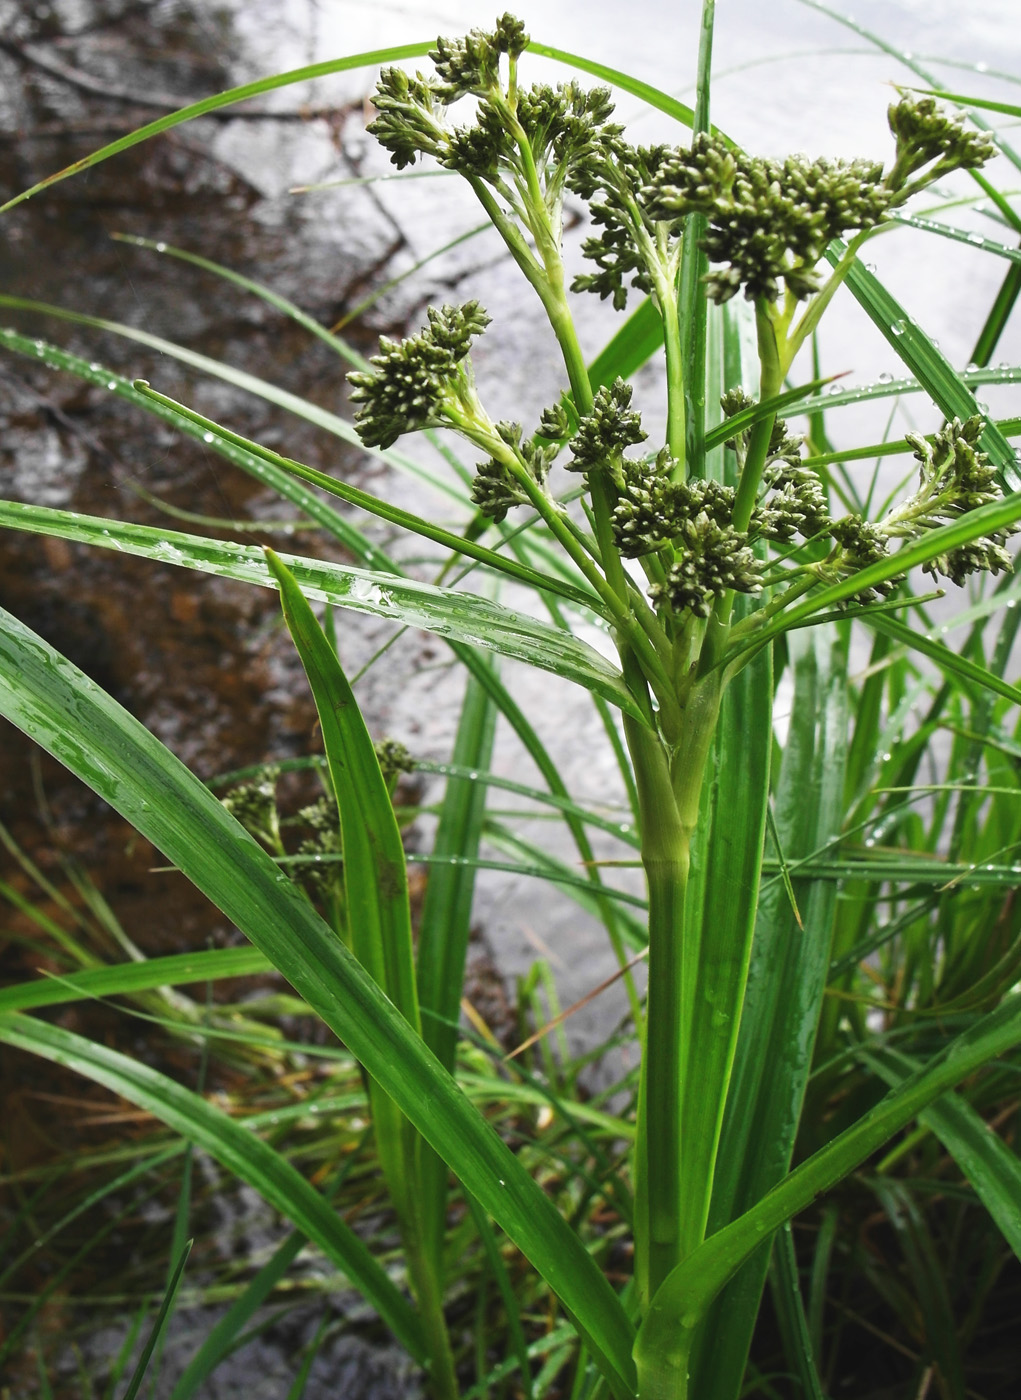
(705, 557)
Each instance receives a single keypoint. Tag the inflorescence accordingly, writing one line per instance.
(767, 225)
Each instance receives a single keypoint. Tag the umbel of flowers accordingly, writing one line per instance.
(665, 550)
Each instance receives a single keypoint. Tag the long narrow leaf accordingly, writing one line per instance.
(463, 617)
(66, 713)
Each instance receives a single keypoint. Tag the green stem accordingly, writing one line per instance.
(676, 419)
(669, 801)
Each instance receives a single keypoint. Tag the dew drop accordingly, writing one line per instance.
(207, 437)
(161, 247)
(981, 67)
(898, 327)
(111, 384)
(886, 377)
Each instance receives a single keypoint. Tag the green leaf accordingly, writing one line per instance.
(462, 617)
(982, 1155)
(786, 982)
(375, 875)
(662, 101)
(998, 515)
(664, 1341)
(162, 1317)
(125, 978)
(66, 713)
(952, 663)
(225, 99)
(937, 376)
(719, 918)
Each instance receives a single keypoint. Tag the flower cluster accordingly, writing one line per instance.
(769, 221)
(928, 135)
(605, 434)
(711, 560)
(859, 544)
(611, 178)
(496, 489)
(954, 478)
(471, 65)
(561, 125)
(254, 805)
(414, 379)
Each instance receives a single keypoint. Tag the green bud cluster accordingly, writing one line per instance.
(860, 543)
(606, 433)
(711, 560)
(561, 125)
(954, 478)
(471, 65)
(611, 178)
(794, 504)
(411, 379)
(654, 507)
(393, 759)
(928, 135)
(496, 489)
(254, 805)
(769, 221)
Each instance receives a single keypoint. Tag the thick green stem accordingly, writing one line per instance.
(665, 854)
(669, 799)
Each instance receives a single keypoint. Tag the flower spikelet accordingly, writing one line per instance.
(654, 508)
(410, 378)
(608, 431)
(611, 178)
(769, 221)
(410, 117)
(496, 489)
(927, 133)
(472, 64)
(711, 560)
(860, 544)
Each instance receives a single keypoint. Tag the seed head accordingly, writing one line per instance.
(411, 378)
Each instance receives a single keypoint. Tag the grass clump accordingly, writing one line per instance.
(831, 941)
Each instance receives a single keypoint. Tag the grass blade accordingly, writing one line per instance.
(985, 1159)
(786, 982)
(462, 617)
(235, 1147)
(162, 1317)
(125, 978)
(224, 99)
